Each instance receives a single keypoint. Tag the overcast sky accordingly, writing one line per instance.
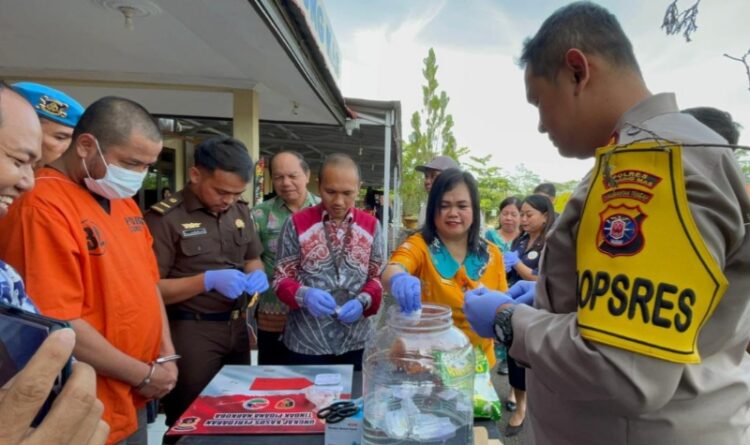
(383, 44)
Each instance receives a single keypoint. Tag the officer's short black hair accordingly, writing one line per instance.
(447, 181)
(113, 120)
(302, 163)
(718, 120)
(582, 25)
(546, 188)
(226, 154)
(337, 160)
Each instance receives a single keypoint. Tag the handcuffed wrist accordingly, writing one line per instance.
(148, 377)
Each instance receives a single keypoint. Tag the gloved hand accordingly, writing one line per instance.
(351, 311)
(407, 290)
(523, 292)
(510, 259)
(228, 282)
(480, 306)
(319, 302)
(256, 281)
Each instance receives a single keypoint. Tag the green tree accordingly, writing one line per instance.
(431, 135)
(492, 182)
(743, 157)
(685, 23)
(523, 181)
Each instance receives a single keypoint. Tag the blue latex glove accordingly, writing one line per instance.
(523, 292)
(228, 282)
(319, 302)
(407, 290)
(256, 281)
(351, 311)
(510, 259)
(480, 306)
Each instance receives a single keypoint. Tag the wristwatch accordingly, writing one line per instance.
(504, 327)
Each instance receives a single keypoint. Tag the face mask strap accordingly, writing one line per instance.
(101, 155)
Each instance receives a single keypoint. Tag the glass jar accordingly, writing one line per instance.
(418, 377)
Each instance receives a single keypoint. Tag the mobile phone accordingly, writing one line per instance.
(21, 334)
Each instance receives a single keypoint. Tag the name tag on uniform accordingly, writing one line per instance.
(647, 282)
(188, 233)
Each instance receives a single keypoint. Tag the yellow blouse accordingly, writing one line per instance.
(444, 281)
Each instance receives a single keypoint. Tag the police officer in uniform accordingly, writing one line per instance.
(640, 321)
(58, 114)
(209, 260)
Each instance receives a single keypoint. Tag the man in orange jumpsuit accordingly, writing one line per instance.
(85, 252)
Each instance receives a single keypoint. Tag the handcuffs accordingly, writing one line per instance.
(158, 361)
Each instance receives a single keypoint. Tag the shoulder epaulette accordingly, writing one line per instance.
(166, 205)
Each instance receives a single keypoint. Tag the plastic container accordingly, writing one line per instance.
(418, 377)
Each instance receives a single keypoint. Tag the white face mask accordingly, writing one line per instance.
(117, 183)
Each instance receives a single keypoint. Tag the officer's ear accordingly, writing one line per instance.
(577, 70)
(194, 174)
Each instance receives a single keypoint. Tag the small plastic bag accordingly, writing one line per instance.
(486, 402)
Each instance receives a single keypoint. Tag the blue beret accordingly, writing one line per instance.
(50, 103)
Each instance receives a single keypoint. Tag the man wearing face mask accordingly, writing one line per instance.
(85, 251)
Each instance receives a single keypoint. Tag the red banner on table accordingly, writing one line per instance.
(259, 400)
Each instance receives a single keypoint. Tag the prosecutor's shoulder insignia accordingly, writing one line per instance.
(647, 282)
(166, 205)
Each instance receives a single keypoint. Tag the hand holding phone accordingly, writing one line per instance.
(75, 416)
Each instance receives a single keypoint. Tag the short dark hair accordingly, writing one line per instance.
(510, 200)
(583, 25)
(226, 154)
(112, 120)
(544, 205)
(447, 181)
(546, 188)
(302, 162)
(337, 160)
(718, 120)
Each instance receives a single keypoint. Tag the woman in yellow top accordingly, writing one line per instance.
(448, 257)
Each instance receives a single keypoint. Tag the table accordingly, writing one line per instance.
(296, 439)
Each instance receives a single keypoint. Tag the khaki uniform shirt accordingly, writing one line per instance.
(188, 240)
(586, 393)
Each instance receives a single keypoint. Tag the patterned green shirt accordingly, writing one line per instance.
(270, 217)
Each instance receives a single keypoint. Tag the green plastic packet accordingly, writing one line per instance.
(486, 402)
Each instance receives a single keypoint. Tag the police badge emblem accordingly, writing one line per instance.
(53, 106)
(620, 231)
